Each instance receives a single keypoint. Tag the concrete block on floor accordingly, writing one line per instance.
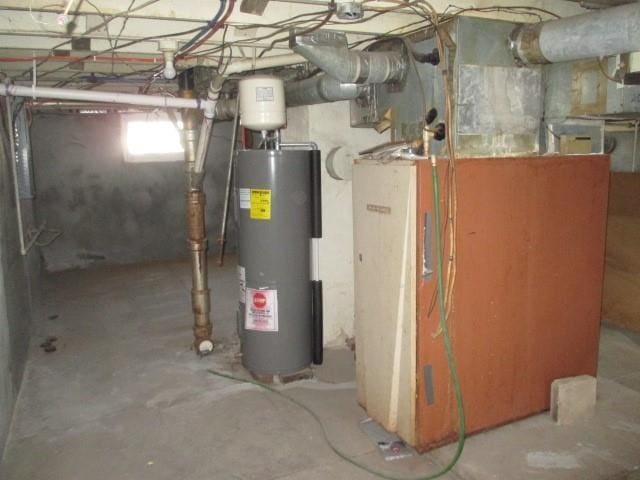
(573, 399)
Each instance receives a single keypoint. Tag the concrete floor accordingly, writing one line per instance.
(124, 397)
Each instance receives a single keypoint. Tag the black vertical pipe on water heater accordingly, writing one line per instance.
(316, 284)
(316, 318)
(316, 194)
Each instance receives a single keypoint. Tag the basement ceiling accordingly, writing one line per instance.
(116, 42)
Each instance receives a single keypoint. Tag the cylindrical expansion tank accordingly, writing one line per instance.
(262, 105)
(274, 210)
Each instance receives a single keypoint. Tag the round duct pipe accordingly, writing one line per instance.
(591, 35)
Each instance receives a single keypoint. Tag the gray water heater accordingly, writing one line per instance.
(278, 211)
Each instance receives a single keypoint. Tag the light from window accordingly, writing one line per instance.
(152, 140)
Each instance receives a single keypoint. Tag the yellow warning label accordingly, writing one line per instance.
(260, 204)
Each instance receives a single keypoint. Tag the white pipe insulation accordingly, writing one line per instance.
(102, 97)
(249, 64)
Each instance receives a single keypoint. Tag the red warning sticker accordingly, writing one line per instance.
(261, 310)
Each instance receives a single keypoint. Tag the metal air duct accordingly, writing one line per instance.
(329, 52)
(320, 89)
(597, 34)
(310, 91)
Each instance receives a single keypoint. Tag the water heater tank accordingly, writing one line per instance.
(275, 209)
(262, 104)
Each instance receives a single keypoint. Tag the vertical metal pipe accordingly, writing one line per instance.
(634, 159)
(317, 315)
(227, 195)
(200, 293)
(16, 192)
(197, 237)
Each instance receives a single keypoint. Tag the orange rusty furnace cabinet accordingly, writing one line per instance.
(530, 256)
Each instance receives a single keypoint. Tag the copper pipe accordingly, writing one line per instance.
(200, 299)
(227, 195)
(197, 236)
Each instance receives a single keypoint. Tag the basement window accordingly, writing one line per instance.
(151, 138)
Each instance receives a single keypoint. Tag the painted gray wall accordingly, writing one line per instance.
(112, 212)
(18, 294)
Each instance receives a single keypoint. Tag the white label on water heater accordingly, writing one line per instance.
(261, 310)
(242, 282)
(245, 197)
(264, 94)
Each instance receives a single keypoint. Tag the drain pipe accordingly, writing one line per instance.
(197, 237)
(329, 51)
(97, 96)
(611, 31)
(249, 64)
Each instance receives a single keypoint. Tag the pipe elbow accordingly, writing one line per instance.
(329, 52)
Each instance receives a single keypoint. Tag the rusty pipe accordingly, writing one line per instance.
(200, 293)
(196, 230)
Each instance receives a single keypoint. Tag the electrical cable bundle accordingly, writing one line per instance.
(212, 27)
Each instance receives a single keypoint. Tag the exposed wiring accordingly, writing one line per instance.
(442, 39)
(222, 67)
(90, 30)
(248, 26)
(123, 45)
(210, 25)
(606, 74)
(33, 16)
(104, 20)
(125, 21)
(283, 26)
(322, 23)
(517, 9)
(317, 16)
(445, 295)
(211, 31)
(313, 21)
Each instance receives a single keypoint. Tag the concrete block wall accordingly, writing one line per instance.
(110, 211)
(18, 293)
